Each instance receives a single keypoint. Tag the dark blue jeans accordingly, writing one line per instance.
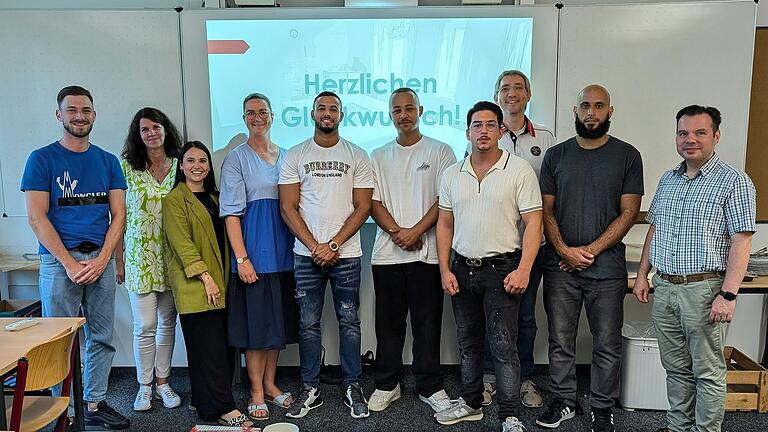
(311, 281)
(481, 304)
(526, 327)
(603, 299)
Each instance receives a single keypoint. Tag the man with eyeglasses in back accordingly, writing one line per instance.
(487, 193)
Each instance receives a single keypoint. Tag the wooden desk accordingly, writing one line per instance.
(16, 344)
(10, 263)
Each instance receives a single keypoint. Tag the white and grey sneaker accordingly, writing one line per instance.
(169, 397)
(512, 424)
(439, 401)
(308, 399)
(143, 401)
(459, 411)
(355, 400)
(380, 399)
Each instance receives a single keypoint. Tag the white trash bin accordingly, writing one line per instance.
(643, 379)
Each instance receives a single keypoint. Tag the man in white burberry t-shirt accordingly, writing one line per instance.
(482, 201)
(325, 196)
(406, 277)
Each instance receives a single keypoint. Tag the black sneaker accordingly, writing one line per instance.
(308, 399)
(602, 420)
(556, 412)
(105, 418)
(354, 399)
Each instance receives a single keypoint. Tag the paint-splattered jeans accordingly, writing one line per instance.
(311, 281)
(482, 303)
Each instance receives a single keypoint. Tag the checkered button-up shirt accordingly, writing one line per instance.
(695, 218)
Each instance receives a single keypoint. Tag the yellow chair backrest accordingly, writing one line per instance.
(49, 362)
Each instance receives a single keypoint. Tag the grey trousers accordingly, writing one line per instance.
(692, 353)
(564, 295)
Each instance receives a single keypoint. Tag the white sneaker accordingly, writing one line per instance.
(143, 401)
(512, 424)
(380, 399)
(169, 397)
(439, 401)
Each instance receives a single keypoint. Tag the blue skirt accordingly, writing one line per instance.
(263, 315)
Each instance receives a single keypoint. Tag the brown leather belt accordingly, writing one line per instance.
(684, 279)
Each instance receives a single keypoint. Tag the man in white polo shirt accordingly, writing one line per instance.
(325, 196)
(521, 137)
(406, 276)
(482, 201)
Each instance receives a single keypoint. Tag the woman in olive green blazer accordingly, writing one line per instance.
(198, 269)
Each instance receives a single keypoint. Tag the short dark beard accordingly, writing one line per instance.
(80, 135)
(598, 132)
(326, 130)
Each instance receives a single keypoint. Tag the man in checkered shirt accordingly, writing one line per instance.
(702, 219)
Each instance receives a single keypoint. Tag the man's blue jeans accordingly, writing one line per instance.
(311, 280)
(63, 298)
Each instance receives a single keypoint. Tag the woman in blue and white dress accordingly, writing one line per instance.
(263, 315)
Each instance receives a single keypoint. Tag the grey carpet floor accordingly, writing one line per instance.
(405, 415)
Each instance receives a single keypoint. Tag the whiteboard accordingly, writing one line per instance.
(127, 59)
(656, 59)
(195, 52)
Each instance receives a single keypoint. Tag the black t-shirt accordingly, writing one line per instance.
(588, 185)
(218, 224)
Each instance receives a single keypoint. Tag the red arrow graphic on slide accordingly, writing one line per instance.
(227, 47)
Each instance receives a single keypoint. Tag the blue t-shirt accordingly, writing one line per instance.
(79, 185)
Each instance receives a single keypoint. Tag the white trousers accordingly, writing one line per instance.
(154, 333)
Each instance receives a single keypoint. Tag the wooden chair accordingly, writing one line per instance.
(43, 367)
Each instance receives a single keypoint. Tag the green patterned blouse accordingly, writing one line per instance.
(144, 236)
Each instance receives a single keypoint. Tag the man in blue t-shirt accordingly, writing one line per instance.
(75, 194)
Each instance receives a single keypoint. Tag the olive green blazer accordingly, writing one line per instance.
(191, 249)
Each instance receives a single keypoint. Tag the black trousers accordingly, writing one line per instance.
(210, 362)
(402, 288)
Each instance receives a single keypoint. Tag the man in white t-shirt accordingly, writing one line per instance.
(521, 137)
(406, 276)
(483, 199)
(325, 196)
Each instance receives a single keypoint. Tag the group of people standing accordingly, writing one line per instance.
(247, 267)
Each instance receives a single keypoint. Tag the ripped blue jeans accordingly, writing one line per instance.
(482, 305)
(311, 281)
